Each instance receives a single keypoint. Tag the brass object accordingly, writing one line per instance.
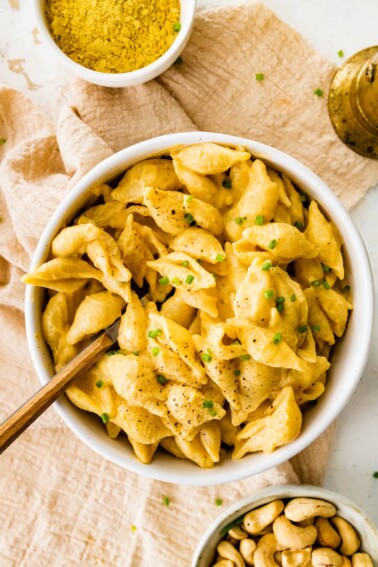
(353, 102)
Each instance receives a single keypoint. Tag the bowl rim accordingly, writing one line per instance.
(129, 78)
(275, 492)
(297, 171)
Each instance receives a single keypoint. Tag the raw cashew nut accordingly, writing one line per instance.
(327, 535)
(296, 557)
(247, 550)
(265, 550)
(350, 540)
(362, 560)
(291, 536)
(326, 557)
(228, 551)
(237, 533)
(346, 561)
(224, 563)
(300, 509)
(257, 520)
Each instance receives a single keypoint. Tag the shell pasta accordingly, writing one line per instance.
(231, 289)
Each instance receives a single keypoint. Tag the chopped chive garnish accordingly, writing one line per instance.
(272, 244)
(266, 265)
(218, 502)
(280, 299)
(226, 183)
(346, 288)
(237, 372)
(318, 92)
(259, 220)
(315, 328)
(212, 412)
(277, 338)
(245, 357)
(239, 220)
(185, 263)
(99, 383)
(208, 404)
(259, 76)
(155, 351)
(302, 328)
(316, 283)
(136, 352)
(293, 297)
(112, 352)
(219, 257)
(155, 333)
(164, 280)
(236, 342)
(232, 524)
(375, 475)
(189, 198)
(2, 141)
(188, 217)
(179, 60)
(303, 197)
(268, 294)
(280, 307)
(189, 279)
(161, 379)
(177, 27)
(166, 501)
(326, 268)
(206, 357)
(326, 284)
(176, 281)
(299, 225)
(105, 417)
(340, 53)
(133, 528)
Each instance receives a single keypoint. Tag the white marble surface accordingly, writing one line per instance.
(349, 25)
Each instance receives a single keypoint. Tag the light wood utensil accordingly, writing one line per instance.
(24, 416)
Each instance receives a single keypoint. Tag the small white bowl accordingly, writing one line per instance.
(206, 549)
(187, 9)
(350, 355)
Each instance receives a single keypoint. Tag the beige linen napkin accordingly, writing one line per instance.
(61, 504)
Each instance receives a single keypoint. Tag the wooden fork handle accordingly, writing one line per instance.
(20, 420)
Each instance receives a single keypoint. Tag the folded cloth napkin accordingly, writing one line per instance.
(61, 504)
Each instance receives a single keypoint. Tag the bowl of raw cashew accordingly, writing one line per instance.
(290, 526)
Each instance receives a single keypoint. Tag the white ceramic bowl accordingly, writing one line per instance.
(351, 352)
(187, 9)
(205, 551)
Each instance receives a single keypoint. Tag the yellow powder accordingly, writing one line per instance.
(113, 36)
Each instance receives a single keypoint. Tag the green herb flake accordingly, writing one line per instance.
(375, 474)
(212, 412)
(2, 141)
(226, 183)
(161, 379)
(206, 357)
(277, 338)
(236, 342)
(179, 60)
(136, 353)
(189, 198)
(239, 220)
(105, 417)
(237, 372)
(303, 197)
(231, 525)
(315, 328)
(280, 299)
(268, 294)
(293, 297)
(185, 263)
(259, 220)
(99, 383)
(316, 283)
(259, 76)
(219, 257)
(189, 218)
(177, 27)
(340, 53)
(112, 352)
(302, 328)
(326, 284)
(218, 502)
(176, 281)
(299, 225)
(155, 333)
(280, 307)
(266, 265)
(166, 501)
(164, 280)
(189, 279)
(326, 268)
(245, 357)
(319, 92)
(208, 404)
(272, 244)
(155, 351)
